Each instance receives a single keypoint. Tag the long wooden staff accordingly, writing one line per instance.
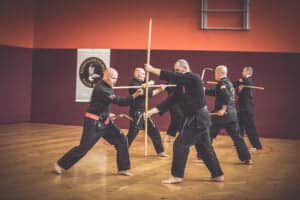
(140, 86)
(246, 86)
(147, 87)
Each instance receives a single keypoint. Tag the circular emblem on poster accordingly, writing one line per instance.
(91, 71)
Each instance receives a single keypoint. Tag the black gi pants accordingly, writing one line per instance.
(190, 135)
(246, 122)
(234, 132)
(153, 132)
(90, 136)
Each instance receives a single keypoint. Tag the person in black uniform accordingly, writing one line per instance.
(136, 111)
(226, 114)
(246, 108)
(196, 125)
(97, 124)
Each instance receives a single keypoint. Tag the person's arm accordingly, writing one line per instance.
(153, 70)
(158, 90)
(242, 82)
(169, 76)
(151, 112)
(163, 107)
(222, 111)
(224, 96)
(125, 101)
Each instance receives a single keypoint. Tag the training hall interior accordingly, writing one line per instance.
(47, 46)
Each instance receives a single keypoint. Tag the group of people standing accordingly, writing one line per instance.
(189, 118)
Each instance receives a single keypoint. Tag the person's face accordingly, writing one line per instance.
(139, 74)
(217, 74)
(179, 69)
(245, 73)
(112, 78)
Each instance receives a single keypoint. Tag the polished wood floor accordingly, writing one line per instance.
(29, 150)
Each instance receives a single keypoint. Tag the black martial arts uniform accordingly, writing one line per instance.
(196, 122)
(246, 112)
(224, 93)
(137, 108)
(97, 124)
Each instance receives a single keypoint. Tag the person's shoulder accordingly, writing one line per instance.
(99, 84)
(222, 83)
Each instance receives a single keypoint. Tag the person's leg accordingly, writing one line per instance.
(241, 118)
(114, 136)
(251, 132)
(135, 127)
(155, 137)
(90, 136)
(209, 156)
(213, 130)
(239, 143)
(181, 146)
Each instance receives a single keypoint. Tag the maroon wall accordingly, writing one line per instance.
(15, 84)
(276, 116)
(53, 87)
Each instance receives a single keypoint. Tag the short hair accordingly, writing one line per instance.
(223, 69)
(138, 69)
(108, 71)
(249, 69)
(184, 64)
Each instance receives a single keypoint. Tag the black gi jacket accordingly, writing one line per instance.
(139, 103)
(225, 94)
(102, 96)
(245, 98)
(189, 95)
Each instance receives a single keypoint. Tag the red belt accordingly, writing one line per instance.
(96, 117)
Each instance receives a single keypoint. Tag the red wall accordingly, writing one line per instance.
(17, 22)
(120, 24)
(15, 84)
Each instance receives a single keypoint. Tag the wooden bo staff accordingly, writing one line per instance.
(141, 86)
(124, 116)
(147, 86)
(215, 113)
(121, 115)
(246, 86)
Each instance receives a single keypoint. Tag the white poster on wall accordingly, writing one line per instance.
(90, 66)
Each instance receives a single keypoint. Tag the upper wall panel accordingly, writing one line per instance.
(17, 22)
(123, 24)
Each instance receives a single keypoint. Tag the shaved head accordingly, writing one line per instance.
(110, 76)
(220, 72)
(182, 66)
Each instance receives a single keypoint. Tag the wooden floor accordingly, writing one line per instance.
(28, 152)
